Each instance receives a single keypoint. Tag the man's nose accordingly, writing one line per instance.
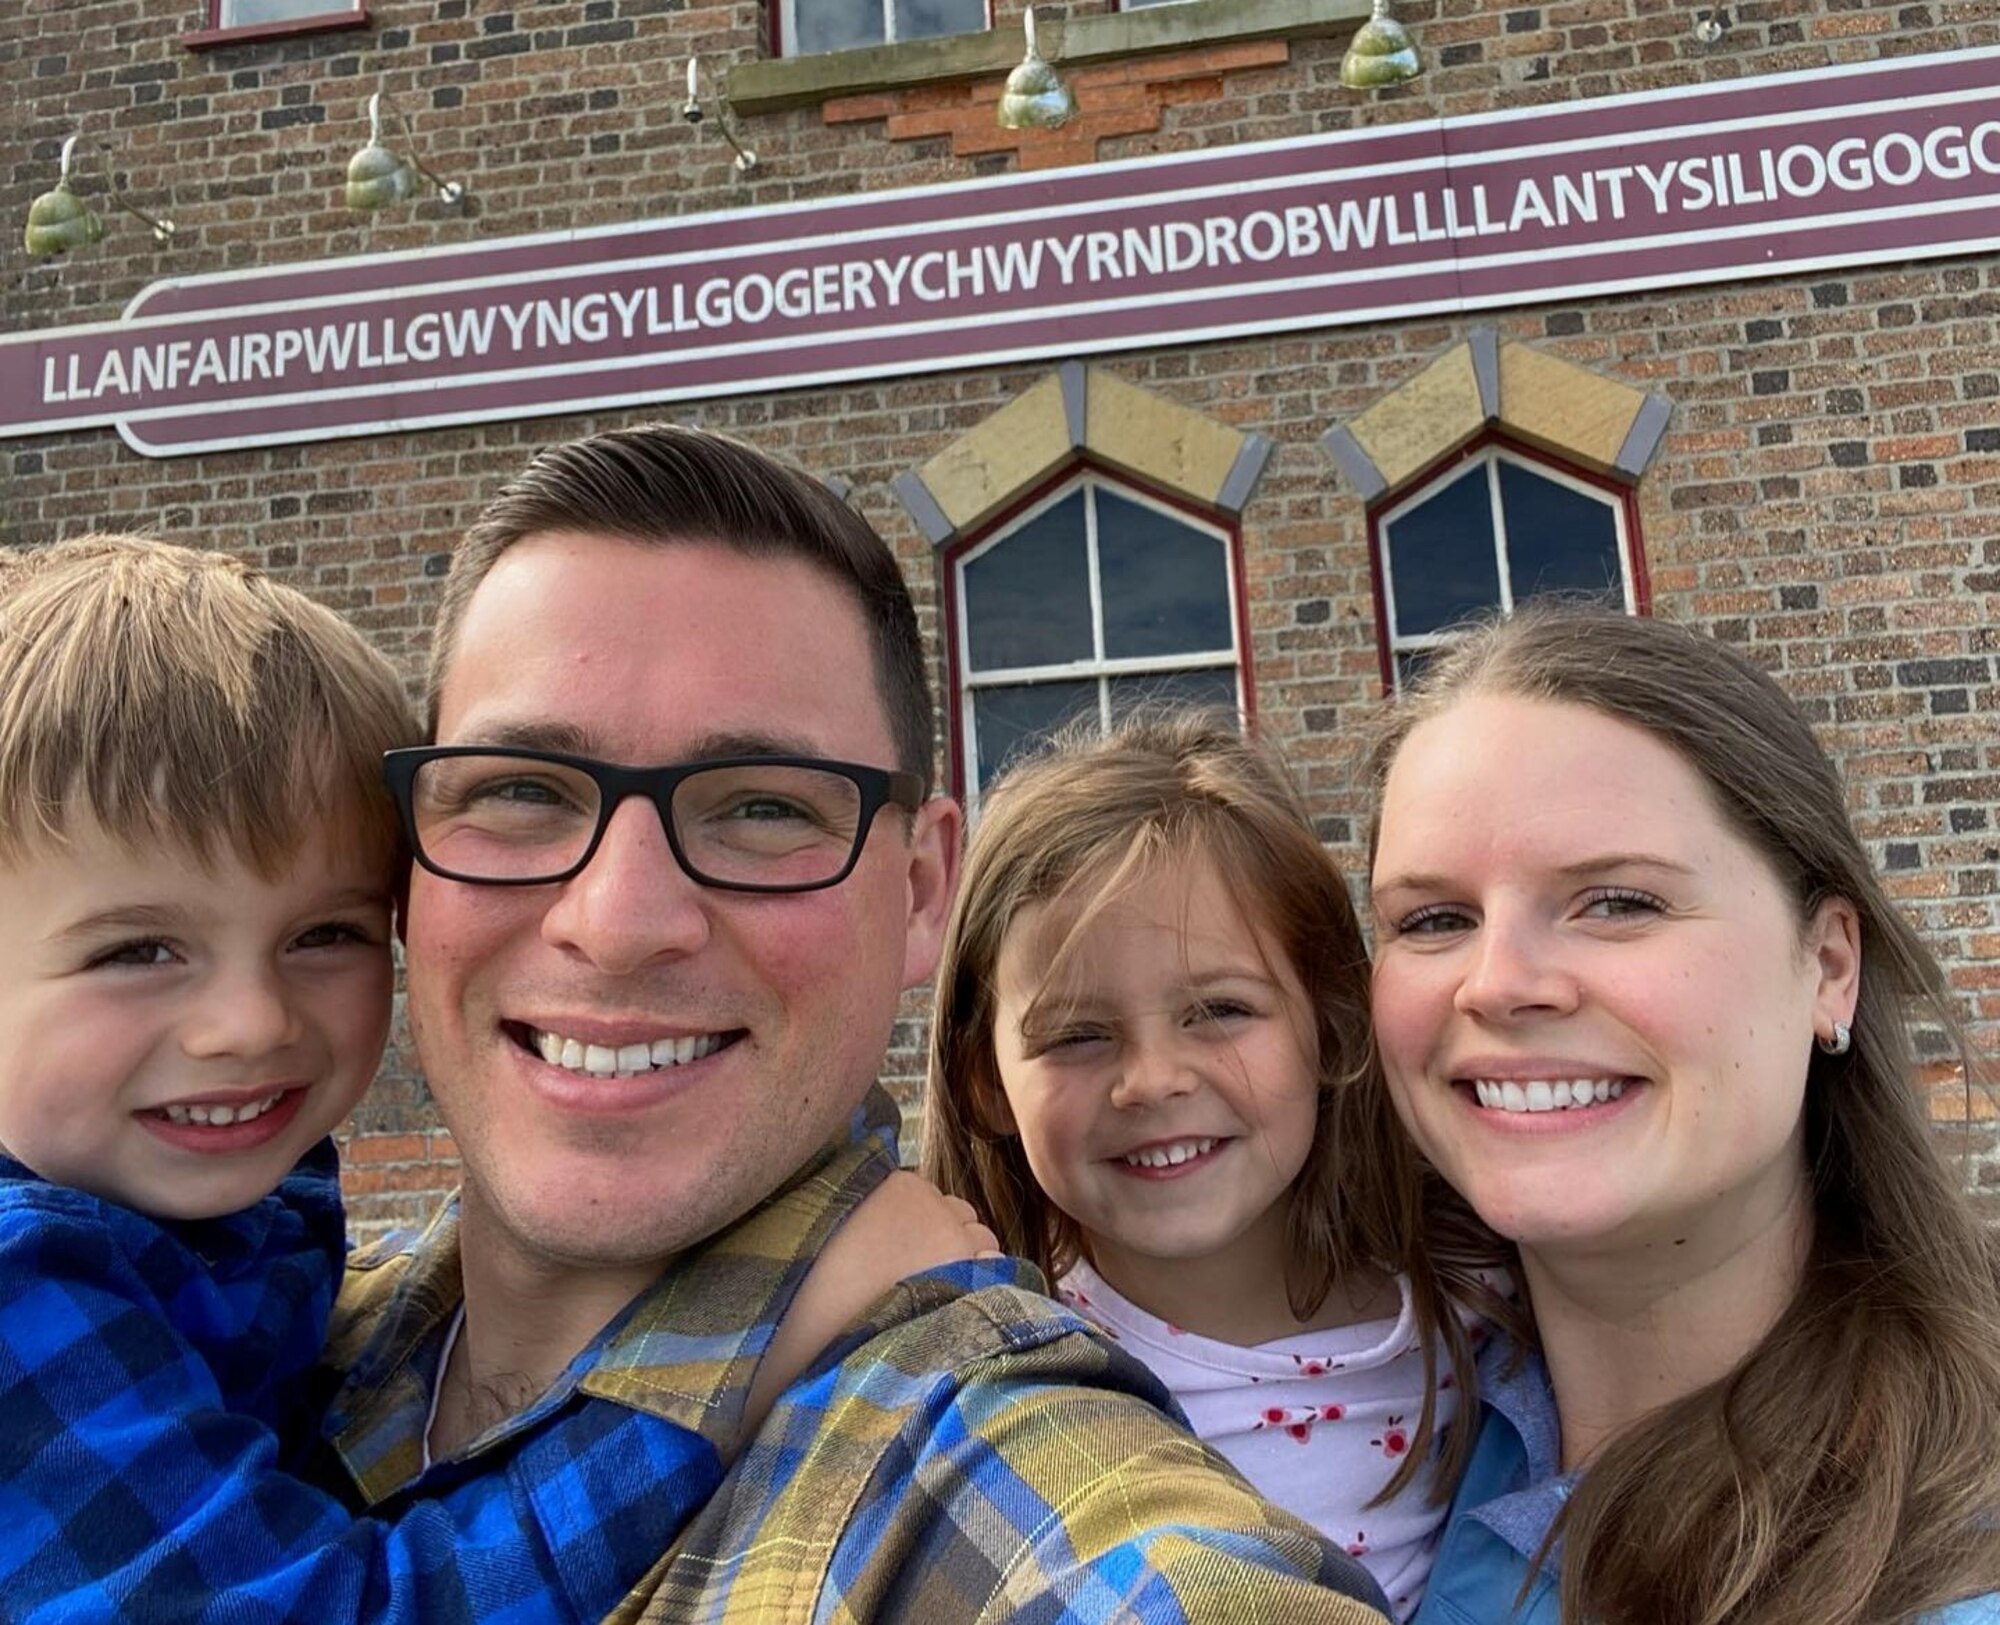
(633, 902)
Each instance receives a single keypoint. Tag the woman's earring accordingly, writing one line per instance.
(1841, 1042)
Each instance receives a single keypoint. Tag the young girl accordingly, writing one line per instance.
(1148, 1073)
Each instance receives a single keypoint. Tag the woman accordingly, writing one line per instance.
(1641, 1000)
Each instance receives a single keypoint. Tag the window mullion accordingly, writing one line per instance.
(1500, 564)
(1096, 602)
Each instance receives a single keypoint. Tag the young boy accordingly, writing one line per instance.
(197, 866)
(197, 862)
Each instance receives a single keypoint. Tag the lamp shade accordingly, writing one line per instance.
(59, 220)
(377, 178)
(1382, 53)
(1035, 97)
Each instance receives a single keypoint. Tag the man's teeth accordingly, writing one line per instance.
(1168, 1156)
(1541, 1096)
(625, 1060)
(221, 1116)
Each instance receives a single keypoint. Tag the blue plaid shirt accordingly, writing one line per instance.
(146, 1371)
(969, 1453)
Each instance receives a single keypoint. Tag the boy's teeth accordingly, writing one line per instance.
(1546, 1095)
(1168, 1156)
(625, 1060)
(220, 1116)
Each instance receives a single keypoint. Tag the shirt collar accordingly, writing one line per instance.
(685, 1350)
(1515, 1393)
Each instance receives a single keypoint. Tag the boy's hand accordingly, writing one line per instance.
(902, 1228)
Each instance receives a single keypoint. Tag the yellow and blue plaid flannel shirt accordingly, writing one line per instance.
(970, 1452)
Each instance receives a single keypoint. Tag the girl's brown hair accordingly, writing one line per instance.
(1847, 1472)
(1163, 789)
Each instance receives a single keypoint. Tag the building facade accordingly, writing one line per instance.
(1730, 355)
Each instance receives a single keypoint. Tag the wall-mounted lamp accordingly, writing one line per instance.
(377, 177)
(60, 220)
(1710, 25)
(725, 116)
(1035, 97)
(1382, 54)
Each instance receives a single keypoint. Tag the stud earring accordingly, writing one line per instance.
(1840, 1043)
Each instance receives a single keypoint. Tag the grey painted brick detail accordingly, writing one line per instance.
(1486, 369)
(923, 508)
(1244, 474)
(1643, 439)
(1076, 400)
(842, 488)
(1355, 463)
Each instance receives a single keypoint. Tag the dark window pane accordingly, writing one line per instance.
(1165, 584)
(1007, 721)
(1558, 539)
(834, 25)
(924, 19)
(1213, 690)
(1441, 565)
(1027, 598)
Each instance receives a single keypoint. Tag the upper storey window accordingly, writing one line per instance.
(231, 21)
(807, 27)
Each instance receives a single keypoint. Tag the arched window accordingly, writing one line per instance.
(1092, 599)
(1491, 530)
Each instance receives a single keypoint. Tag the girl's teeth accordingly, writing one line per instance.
(1168, 1156)
(1544, 1095)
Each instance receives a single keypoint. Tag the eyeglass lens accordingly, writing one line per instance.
(504, 818)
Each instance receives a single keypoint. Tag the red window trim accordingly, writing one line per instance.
(949, 555)
(1628, 500)
(214, 36)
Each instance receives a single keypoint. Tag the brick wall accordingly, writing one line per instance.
(1828, 492)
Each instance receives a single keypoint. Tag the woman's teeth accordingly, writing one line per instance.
(1168, 1156)
(623, 1060)
(1539, 1096)
(221, 1116)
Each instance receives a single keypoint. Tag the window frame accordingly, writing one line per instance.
(338, 15)
(780, 13)
(962, 737)
(1491, 448)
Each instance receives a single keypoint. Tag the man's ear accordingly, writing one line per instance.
(937, 831)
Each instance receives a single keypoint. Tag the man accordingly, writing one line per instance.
(651, 1001)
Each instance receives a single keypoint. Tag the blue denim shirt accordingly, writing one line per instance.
(1510, 1496)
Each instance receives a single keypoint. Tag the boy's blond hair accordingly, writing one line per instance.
(184, 698)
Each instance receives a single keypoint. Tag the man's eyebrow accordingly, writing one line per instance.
(567, 739)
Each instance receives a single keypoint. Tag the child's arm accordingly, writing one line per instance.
(902, 1228)
(129, 1491)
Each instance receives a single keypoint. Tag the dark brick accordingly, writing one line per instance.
(1798, 597)
(602, 99)
(481, 50)
(1829, 294)
(498, 22)
(1845, 403)
(1774, 434)
(437, 564)
(598, 10)
(1912, 476)
(1901, 855)
(245, 79)
(1763, 331)
(1313, 612)
(1979, 386)
(284, 507)
(1932, 673)
(1965, 820)
(283, 118)
(610, 141)
(1774, 382)
(447, 96)
(51, 67)
(600, 33)
(1982, 439)
(1522, 22)
(1950, 702)
(1848, 453)
(281, 557)
(27, 462)
(1459, 55)
(392, 39)
(448, 52)
(1334, 831)
(1321, 719)
(1563, 323)
(295, 96)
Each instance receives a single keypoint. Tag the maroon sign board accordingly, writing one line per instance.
(1866, 163)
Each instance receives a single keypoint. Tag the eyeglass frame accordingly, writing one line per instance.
(616, 784)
